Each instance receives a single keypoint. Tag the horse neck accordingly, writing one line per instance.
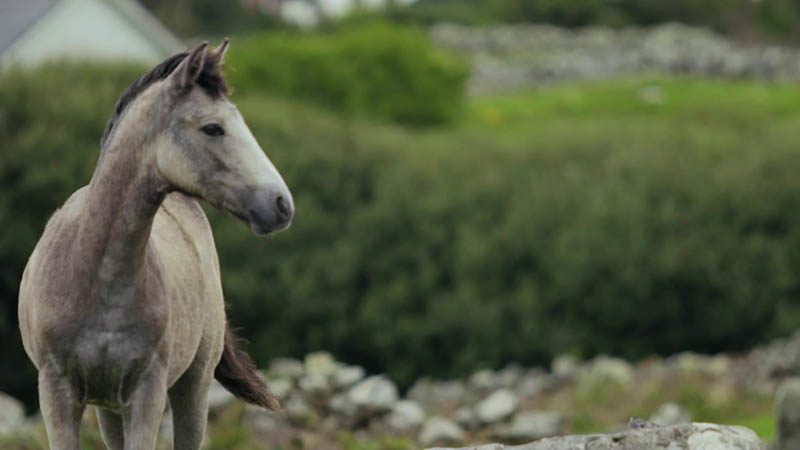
(118, 211)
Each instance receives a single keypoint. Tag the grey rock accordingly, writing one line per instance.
(261, 420)
(436, 394)
(405, 415)
(482, 381)
(670, 414)
(374, 394)
(565, 366)
(341, 405)
(286, 368)
(695, 436)
(605, 369)
(218, 397)
(466, 418)
(787, 411)
(497, 407)
(12, 413)
(320, 364)
(314, 385)
(530, 425)
(440, 431)
(536, 381)
(509, 376)
(280, 387)
(347, 376)
(298, 411)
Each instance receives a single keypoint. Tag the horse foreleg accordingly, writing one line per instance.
(142, 414)
(111, 428)
(189, 400)
(62, 408)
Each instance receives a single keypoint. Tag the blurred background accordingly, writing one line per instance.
(578, 210)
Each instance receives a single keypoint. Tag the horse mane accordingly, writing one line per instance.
(210, 80)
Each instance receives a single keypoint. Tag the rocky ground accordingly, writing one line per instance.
(331, 404)
(511, 57)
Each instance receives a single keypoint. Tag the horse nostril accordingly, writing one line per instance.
(283, 206)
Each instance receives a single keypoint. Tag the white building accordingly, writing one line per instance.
(33, 31)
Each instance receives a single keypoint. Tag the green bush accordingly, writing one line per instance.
(595, 224)
(371, 70)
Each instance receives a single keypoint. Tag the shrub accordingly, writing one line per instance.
(372, 70)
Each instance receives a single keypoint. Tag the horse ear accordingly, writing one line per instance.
(219, 52)
(189, 69)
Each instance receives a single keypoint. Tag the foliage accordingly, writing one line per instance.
(375, 69)
(577, 218)
(747, 19)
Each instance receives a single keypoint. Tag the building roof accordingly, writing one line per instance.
(17, 16)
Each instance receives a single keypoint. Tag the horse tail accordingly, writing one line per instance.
(237, 373)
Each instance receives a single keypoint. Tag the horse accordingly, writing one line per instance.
(120, 303)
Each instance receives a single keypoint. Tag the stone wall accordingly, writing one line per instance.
(511, 57)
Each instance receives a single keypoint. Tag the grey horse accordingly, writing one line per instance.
(121, 304)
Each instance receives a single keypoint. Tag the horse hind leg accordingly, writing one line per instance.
(62, 408)
(111, 428)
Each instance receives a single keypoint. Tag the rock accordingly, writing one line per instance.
(261, 420)
(496, 407)
(286, 368)
(440, 431)
(536, 381)
(12, 413)
(347, 376)
(405, 415)
(509, 376)
(466, 418)
(320, 364)
(374, 394)
(565, 366)
(280, 387)
(434, 395)
(670, 414)
(695, 436)
(341, 405)
(482, 381)
(787, 410)
(314, 385)
(218, 397)
(605, 369)
(530, 425)
(298, 411)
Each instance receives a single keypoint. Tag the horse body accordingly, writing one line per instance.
(121, 303)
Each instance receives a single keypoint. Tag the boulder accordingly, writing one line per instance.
(530, 425)
(440, 431)
(605, 369)
(787, 410)
(670, 414)
(565, 366)
(347, 376)
(694, 436)
(12, 413)
(374, 394)
(320, 364)
(286, 368)
(497, 407)
(405, 415)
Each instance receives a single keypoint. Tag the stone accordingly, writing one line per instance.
(314, 385)
(320, 364)
(280, 387)
(787, 412)
(347, 376)
(341, 405)
(218, 397)
(605, 369)
(261, 420)
(405, 415)
(286, 368)
(496, 407)
(466, 418)
(694, 436)
(536, 381)
(298, 411)
(565, 366)
(12, 413)
(670, 414)
(482, 381)
(509, 376)
(374, 394)
(440, 431)
(530, 425)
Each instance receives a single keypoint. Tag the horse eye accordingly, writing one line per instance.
(212, 129)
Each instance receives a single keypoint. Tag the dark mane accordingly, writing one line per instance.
(210, 80)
